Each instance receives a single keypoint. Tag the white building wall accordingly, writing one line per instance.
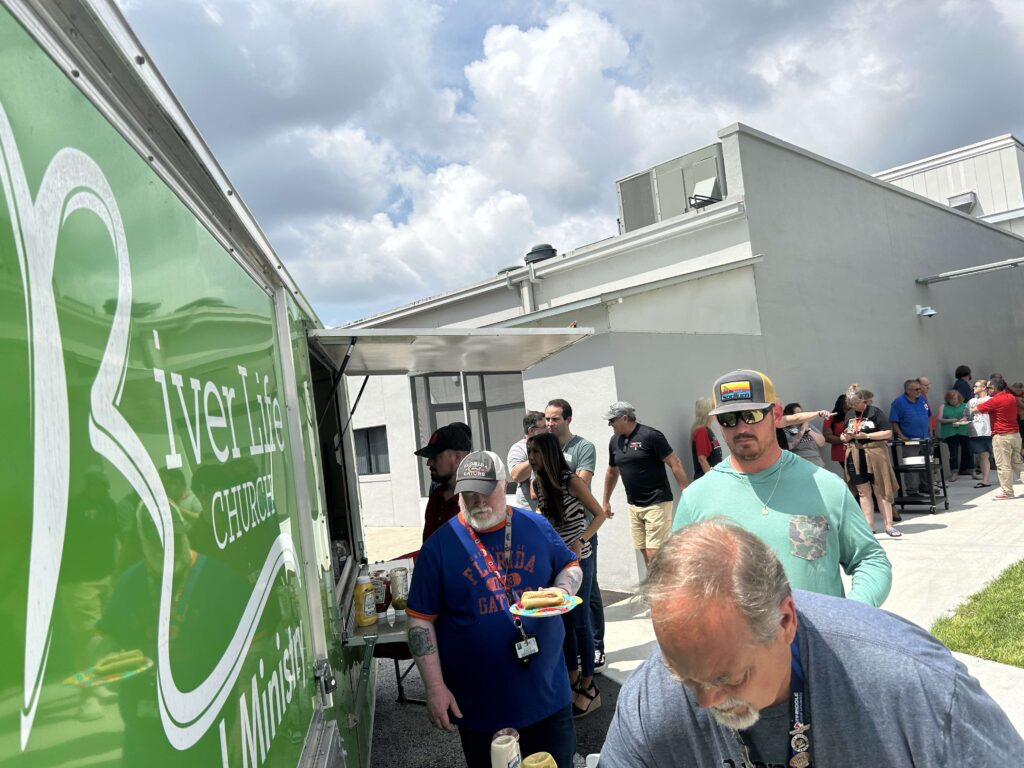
(391, 499)
(992, 170)
(725, 302)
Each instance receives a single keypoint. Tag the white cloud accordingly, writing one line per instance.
(462, 228)
(399, 148)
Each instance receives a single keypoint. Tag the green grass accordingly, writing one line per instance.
(990, 625)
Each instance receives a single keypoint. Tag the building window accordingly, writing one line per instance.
(372, 451)
(494, 401)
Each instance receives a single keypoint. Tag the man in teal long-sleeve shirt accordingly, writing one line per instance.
(803, 512)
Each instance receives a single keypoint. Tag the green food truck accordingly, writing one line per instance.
(184, 534)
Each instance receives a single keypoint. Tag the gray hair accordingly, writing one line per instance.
(717, 560)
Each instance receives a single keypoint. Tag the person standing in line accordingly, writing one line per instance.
(805, 513)
(803, 439)
(833, 427)
(562, 497)
(640, 455)
(1002, 409)
(962, 382)
(980, 434)
(519, 464)
(484, 668)
(953, 432)
(933, 431)
(444, 452)
(748, 671)
(704, 447)
(867, 459)
(581, 456)
(910, 418)
(1018, 391)
(580, 453)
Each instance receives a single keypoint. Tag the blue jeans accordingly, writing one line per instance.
(596, 605)
(579, 636)
(555, 734)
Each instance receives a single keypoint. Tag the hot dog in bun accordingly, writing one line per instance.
(542, 598)
(116, 663)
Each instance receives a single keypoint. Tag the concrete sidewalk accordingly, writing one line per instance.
(939, 562)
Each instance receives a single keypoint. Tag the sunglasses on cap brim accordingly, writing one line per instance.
(749, 417)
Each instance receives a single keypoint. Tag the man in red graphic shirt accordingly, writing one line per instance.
(1002, 410)
(444, 452)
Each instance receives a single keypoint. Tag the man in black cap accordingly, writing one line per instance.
(444, 452)
(640, 454)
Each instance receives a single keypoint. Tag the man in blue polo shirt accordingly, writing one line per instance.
(910, 415)
(485, 669)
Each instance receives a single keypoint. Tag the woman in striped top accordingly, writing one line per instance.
(564, 499)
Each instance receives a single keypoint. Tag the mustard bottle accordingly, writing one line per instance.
(539, 760)
(365, 602)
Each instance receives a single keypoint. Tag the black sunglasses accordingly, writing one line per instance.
(730, 420)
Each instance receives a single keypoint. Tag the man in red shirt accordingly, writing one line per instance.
(444, 452)
(1002, 410)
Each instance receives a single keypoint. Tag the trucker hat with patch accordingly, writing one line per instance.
(455, 436)
(480, 472)
(742, 391)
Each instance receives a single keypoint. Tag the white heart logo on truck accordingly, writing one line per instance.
(74, 183)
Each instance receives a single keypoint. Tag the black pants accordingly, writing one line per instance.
(960, 456)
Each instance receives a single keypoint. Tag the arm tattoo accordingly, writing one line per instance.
(420, 643)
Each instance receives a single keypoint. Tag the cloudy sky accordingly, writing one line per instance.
(396, 149)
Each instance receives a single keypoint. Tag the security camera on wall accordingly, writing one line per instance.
(926, 311)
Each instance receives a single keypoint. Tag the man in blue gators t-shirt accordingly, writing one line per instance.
(910, 415)
(484, 668)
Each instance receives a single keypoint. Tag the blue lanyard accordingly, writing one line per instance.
(799, 716)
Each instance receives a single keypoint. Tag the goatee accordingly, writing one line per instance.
(484, 517)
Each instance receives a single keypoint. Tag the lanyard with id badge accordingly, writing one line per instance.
(526, 646)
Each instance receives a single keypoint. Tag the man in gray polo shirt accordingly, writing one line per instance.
(748, 672)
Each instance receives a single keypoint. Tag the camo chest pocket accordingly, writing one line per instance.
(808, 536)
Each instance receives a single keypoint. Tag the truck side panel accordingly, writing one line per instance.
(147, 477)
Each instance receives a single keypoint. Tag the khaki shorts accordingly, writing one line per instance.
(651, 526)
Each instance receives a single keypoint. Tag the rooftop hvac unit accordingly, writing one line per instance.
(672, 188)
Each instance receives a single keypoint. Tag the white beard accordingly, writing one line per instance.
(738, 721)
(483, 517)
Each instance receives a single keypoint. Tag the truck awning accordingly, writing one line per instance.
(377, 351)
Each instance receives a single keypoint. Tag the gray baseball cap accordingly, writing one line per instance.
(620, 408)
(480, 472)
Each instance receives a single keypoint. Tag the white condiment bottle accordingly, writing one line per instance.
(505, 752)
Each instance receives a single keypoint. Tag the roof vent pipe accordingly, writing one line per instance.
(540, 252)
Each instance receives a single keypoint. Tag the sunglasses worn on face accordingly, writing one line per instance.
(749, 417)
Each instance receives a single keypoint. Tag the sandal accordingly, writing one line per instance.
(894, 532)
(983, 485)
(593, 696)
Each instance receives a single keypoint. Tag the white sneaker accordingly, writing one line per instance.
(90, 709)
(599, 661)
(104, 695)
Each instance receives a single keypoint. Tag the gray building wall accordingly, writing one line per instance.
(836, 290)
